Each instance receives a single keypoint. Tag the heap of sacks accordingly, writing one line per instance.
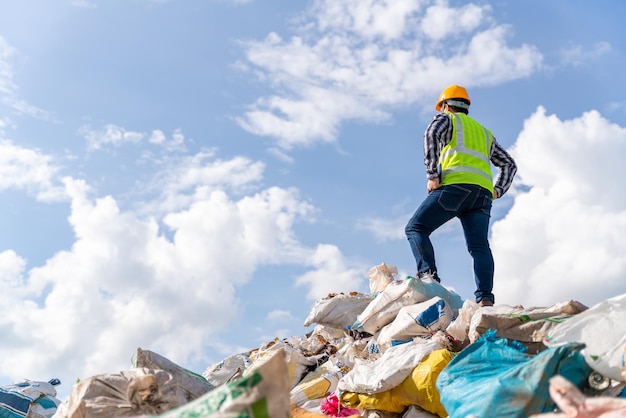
(411, 348)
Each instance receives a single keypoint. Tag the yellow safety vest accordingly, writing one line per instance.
(465, 160)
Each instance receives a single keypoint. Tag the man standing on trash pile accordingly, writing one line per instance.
(457, 154)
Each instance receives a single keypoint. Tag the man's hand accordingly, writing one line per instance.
(433, 184)
(495, 194)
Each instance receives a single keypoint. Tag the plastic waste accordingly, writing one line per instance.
(602, 328)
(504, 378)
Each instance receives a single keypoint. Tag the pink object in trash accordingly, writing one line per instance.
(330, 406)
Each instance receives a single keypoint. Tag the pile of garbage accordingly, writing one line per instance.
(411, 348)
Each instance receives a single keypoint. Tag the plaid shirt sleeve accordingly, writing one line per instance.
(437, 135)
(506, 165)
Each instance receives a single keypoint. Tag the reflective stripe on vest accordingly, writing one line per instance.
(465, 160)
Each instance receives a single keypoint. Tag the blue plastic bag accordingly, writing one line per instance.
(496, 377)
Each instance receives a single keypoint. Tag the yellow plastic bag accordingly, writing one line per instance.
(315, 388)
(417, 389)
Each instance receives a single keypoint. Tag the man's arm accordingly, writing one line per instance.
(437, 134)
(507, 169)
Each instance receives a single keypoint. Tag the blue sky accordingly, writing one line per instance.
(189, 177)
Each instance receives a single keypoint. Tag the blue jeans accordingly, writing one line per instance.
(472, 205)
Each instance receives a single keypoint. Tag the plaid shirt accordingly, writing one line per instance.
(439, 133)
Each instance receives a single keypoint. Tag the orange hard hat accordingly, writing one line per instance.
(452, 92)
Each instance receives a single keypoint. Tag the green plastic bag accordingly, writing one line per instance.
(262, 393)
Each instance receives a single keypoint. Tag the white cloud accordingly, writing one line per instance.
(385, 229)
(563, 237)
(367, 18)
(191, 178)
(4, 122)
(279, 315)
(12, 268)
(281, 155)
(616, 106)
(8, 88)
(176, 143)
(492, 61)
(157, 137)
(126, 283)
(295, 122)
(577, 55)
(109, 135)
(441, 21)
(112, 135)
(29, 170)
(333, 273)
(357, 60)
(23, 107)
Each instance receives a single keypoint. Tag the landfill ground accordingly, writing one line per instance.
(410, 349)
